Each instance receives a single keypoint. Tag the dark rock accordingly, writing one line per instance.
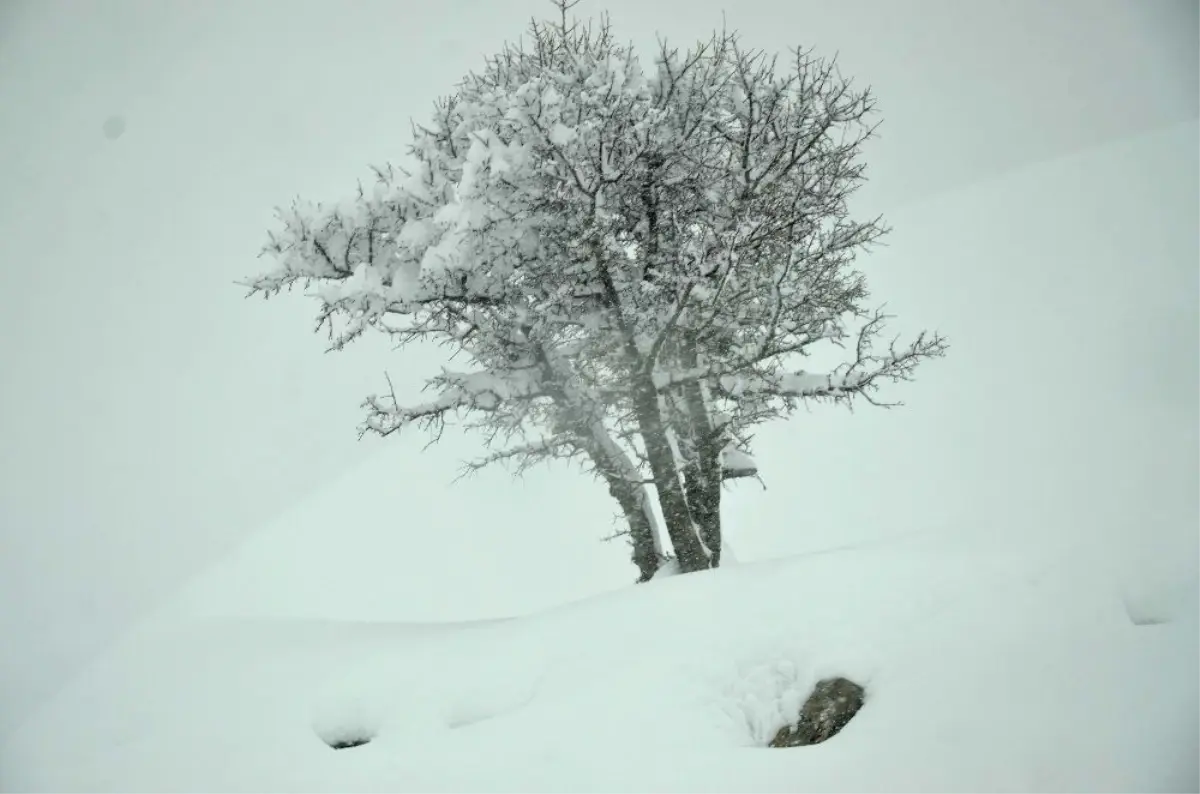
(348, 742)
(832, 704)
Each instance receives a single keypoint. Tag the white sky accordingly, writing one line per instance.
(151, 420)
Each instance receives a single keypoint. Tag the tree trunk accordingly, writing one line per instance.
(678, 517)
(624, 484)
(611, 462)
(680, 527)
(641, 531)
(703, 501)
(702, 476)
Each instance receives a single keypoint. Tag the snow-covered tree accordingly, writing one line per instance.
(635, 258)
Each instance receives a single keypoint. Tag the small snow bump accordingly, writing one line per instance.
(114, 127)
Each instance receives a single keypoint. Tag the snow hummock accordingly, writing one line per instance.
(738, 461)
(986, 669)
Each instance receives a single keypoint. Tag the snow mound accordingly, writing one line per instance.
(983, 672)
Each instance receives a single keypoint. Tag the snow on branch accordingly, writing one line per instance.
(525, 456)
(487, 392)
(739, 379)
(860, 377)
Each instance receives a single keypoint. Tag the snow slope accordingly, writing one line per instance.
(986, 670)
(219, 95)
(1064, 441)
(1020, 599)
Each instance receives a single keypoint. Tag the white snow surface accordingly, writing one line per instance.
(986, 669)
(736, 459)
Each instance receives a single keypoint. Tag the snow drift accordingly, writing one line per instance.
(985, 670)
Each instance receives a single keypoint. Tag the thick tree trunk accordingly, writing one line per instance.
(678, 517)
(703, 475)
(703, 501)
(710, 507)
(624, 485)
(613, 465)
(641, 531)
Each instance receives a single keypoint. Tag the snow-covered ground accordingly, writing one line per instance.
(1016, 581)
(986, 670)
(1036, 630)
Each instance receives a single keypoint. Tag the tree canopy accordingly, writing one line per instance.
(635, 258)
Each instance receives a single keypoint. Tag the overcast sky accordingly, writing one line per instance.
(151, 420)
